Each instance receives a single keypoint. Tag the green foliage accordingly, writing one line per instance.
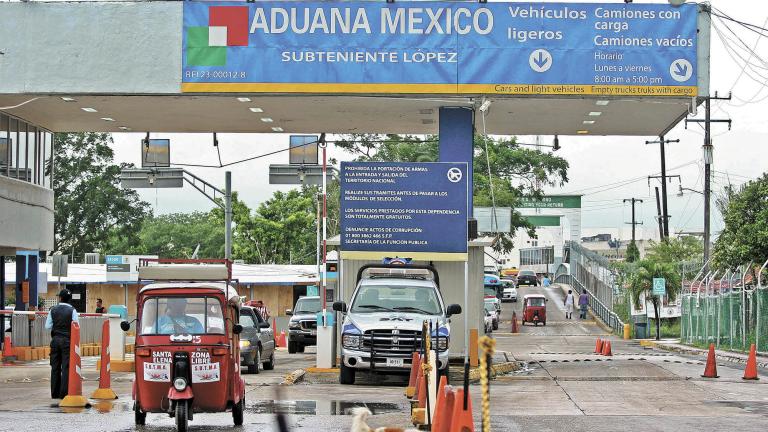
(517, 172)
(633, 253)
(745, 235)
(676, 250)
(176, 235)
(639, 281)
(91, 207)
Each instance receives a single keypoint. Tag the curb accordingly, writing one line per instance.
(496, 369)
(294, 377)
(700, 352)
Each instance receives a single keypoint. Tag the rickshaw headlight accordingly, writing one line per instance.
(180, 384)
(350, 341)
(245, 343)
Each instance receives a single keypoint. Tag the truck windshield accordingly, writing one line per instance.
(182, 315)
(307, 306)
(400, 298)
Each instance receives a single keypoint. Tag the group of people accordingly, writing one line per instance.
(569, 303)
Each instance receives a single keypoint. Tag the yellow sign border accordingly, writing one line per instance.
(501, 89)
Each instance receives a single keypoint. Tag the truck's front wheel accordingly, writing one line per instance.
(346, 374)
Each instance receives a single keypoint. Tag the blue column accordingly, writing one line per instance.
(456, 132)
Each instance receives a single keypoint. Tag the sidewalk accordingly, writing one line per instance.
(674, 345)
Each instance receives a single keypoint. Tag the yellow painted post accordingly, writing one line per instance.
(627, 331)
(473, 347)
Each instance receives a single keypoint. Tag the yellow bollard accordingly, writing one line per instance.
(627, 331)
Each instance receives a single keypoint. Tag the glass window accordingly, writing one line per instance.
(5, 148)
(31, 157)
(307, 306)
(401, 298)
(246, 320)
(182, 315)
(21, 153)
(536, 301)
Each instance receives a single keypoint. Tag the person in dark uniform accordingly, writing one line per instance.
(59, 322)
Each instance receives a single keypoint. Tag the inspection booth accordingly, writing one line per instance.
(451, 286)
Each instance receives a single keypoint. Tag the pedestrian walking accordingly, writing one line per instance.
(583, 304)
(569, 300)
(59, 322)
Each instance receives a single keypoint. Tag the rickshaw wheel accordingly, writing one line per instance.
(237, 412)
(139, 417)
(181, 416)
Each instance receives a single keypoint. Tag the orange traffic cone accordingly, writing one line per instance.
(599, 346)
(415, 364)
(8, 353)
(281, 343)
(422, 385)
(607, 349)
(441, 419)
(514, 322)
(750, 373)
(461, 419)
(74, 397)
(105, 387)
(710, 370)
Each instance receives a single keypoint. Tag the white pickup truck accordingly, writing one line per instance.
(382, 327)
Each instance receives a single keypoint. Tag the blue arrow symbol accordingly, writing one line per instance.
(681, 69)
(541, 60)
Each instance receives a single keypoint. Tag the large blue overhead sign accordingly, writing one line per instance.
(410, 210)
(440, 47)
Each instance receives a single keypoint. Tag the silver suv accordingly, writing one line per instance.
(383, 325)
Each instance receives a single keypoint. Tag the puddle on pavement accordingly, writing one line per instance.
(752, 407)
(311, 407)
(93, 405)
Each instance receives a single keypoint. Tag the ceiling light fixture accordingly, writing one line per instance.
(277, 129)
(582, 132)
(595, 113)
(110, 119)
(256, 110)
(67, 99)
(266, 120)
(125, 128)
(91, 110)
(589, 122)
(602, 102)
(244, 99)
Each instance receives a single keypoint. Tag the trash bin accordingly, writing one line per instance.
(641, 330)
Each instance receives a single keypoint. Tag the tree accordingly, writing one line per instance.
(640, 282)
(633, 253)
(516, 172)
(91, 207)
(745, 235)
(177, 235)
(676, 250)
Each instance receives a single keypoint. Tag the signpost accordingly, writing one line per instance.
(659, 287)
(409, 210)
(612, 49)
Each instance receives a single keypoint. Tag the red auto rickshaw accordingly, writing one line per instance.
(187, 343)
(535, 309)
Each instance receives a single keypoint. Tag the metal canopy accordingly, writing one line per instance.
(347, 114)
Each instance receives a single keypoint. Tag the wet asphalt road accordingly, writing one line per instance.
(563, 386)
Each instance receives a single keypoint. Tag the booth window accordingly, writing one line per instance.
(25, 151)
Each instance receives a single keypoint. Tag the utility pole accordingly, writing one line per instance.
(633, 223)
(708, 160)
(658, 216)
(662, 205)
(661, 142)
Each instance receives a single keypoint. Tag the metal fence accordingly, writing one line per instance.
(26, 332)
(729, 309)
(587, 270)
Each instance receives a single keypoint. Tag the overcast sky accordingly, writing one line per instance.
(597, 163)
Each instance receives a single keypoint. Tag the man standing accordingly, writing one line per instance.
(59, 322)
(99, 306)
(261, 308)
(568, 302)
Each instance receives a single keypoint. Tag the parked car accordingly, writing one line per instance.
(302, 328)
(527, 277)
(488, 320)
(257, 341)
(510, 294)
(494, 305)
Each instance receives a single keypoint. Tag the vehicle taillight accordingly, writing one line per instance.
(143, 352)
(219, 351)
